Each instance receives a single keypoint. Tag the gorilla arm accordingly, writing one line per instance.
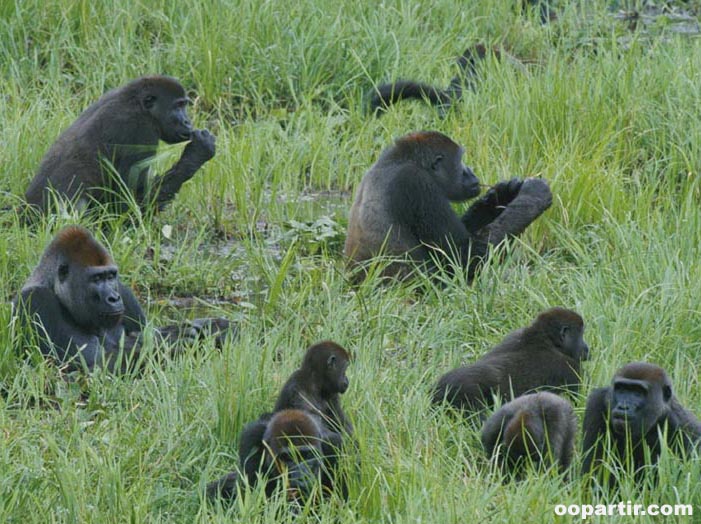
(162, 189)
(533, 198)
(595, 427)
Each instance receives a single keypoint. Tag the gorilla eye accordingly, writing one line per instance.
(62, 272)
(666, 392)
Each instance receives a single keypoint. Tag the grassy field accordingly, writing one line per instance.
(610, 118)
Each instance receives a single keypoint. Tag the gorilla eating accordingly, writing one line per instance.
(119, 133)
(403, 208)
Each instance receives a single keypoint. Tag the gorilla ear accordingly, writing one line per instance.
(148, 101)
(62, 272)
(666, 393)
(437, 160)
(331, 362)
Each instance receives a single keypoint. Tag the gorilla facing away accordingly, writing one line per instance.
(537, 429)
(403, 208)
(122, 128)
(288, 442)
(82, 314)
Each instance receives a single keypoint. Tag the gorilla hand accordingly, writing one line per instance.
(202, 146)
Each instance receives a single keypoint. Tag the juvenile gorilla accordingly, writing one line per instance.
(402, 208)
(547, 354)
(290, 441)
(83, 315)
(123, 128)
(314, 389)
(633, 412)
(537, 428)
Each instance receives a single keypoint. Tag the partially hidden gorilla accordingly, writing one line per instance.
(536, 429)
(546, 12)
(634, 414)
(385, 95)
(545, 355)
(402, 208)
(122, 129)
(287, 442)
(82, 314)
(315, 389)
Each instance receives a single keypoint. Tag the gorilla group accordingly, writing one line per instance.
(312, 394)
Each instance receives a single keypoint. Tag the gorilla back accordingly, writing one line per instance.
(122, 128)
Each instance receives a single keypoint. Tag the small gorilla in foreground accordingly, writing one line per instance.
(546, 355)
(402, 208)
(634, 413)
(290, 443)
(388, 94)
(83, 315)
(123, 128)
(314, 389)
(538, 429)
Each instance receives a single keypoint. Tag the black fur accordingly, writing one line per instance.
(632, 413)
(122, 128)
(546, 355)
(403, 208)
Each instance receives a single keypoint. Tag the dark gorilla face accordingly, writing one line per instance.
(636, 405)
(91, 295)
(573, 343)
(171, 115)
(336, 380)
(459, 182)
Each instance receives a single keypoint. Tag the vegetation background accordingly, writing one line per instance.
(610, 117)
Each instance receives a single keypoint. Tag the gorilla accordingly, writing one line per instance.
(634, 413)
(122, 129)
(83, 315)
(538, 428)
(547, 354)
(403, 208)
(287, 442)
(388, 94)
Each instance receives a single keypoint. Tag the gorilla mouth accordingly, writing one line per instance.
(112, 318)
(474, 189)
(618, 424)
(182, 136)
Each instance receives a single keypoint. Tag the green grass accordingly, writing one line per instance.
(610, 118)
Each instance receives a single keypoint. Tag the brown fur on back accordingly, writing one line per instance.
(292, 425)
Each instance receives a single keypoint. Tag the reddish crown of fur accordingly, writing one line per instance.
(293, 426)
(644, 371)
(78, 245)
